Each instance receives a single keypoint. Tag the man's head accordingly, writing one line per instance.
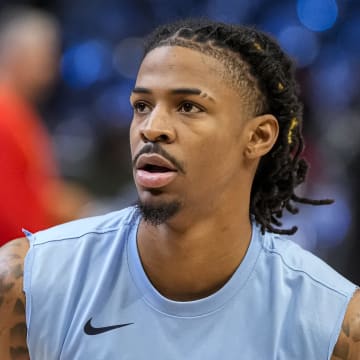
(29, 50)
(240, 139)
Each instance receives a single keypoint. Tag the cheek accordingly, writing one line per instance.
(219, 157)
(208, 155)
(133, 136)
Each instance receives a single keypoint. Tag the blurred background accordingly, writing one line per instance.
(87, 113)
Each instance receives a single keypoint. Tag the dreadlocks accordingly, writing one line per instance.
(265, 76)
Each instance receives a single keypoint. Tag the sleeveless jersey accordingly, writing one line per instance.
(88, 297)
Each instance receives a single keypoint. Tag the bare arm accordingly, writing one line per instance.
(348, 344)
(12, 301)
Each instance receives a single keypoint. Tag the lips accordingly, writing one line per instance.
(154, 171)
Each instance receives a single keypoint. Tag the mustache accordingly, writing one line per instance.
(155, 148)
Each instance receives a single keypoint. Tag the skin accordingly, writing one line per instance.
(348, 344)
(219, 146)
(12, 301)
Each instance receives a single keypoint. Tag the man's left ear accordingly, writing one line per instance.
(262, 134)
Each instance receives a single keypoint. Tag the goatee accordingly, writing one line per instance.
(158, 214)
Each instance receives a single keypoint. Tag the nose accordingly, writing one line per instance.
(158, 128)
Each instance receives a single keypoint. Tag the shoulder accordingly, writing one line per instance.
(300, 263)
(320, 295)
(69, 248)
(348, 344)
(327, 295)
(12, 256)
(12, 299)
(96, 225)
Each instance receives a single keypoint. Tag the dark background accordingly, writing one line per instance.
(88, 113)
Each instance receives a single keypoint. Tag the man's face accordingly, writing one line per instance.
(187, 112)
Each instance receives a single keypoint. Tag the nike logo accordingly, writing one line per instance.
(90, 330)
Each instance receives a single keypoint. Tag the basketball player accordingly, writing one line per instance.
(201, 268)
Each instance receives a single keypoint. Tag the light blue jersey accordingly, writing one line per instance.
(88, 298)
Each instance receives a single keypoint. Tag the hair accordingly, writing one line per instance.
(265, 76)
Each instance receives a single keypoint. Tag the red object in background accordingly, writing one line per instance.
(27, 168)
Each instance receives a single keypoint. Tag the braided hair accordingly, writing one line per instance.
(265, 76)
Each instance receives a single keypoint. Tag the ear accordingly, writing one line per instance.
(262, 133)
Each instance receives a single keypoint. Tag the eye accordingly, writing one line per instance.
(188, 107)
(141, 107)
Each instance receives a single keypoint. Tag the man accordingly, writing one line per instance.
(30, 184)
(198, 269)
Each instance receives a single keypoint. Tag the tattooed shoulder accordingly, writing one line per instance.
(348, 344)
(12, 301)
(11, 263)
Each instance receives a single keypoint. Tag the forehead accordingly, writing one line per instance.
(175, 66)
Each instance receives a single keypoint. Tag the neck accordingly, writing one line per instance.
(193, 263)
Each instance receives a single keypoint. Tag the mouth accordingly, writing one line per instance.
(155, 168)
(154, 163)
(154, 171)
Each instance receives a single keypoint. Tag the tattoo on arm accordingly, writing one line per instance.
(5, 287)
(348, 345)
(13, 329)
(19, 307)
(18, 332)
(18, 353)
(17, 271)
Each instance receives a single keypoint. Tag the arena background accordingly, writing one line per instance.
(88, 113)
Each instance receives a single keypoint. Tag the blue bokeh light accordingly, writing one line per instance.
(299, 43)
(317, 15)
(86, 63)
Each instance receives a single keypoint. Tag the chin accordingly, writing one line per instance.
(156, 211)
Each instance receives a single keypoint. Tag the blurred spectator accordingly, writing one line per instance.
(32, 195)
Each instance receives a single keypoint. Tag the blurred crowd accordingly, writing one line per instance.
(66, 71)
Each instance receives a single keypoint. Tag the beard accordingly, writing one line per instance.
(157, 214)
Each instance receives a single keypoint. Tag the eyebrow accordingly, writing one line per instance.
(141, 90)
(186, 91)
(179, 91)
